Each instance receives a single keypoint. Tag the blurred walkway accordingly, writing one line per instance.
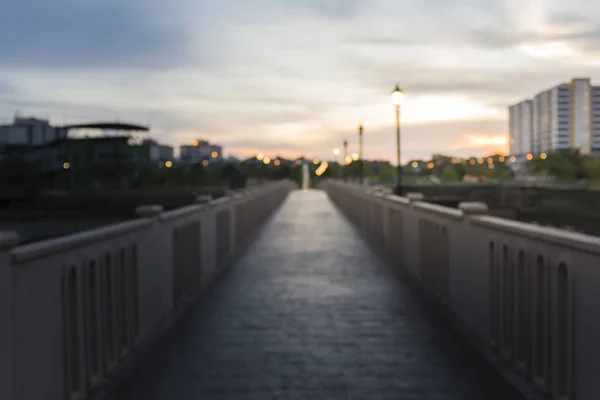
(309, 312)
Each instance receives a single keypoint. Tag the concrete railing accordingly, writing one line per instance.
(73, 308)
(529, 292)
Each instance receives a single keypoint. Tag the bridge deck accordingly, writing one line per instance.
(310, 312)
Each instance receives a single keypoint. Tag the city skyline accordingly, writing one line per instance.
(287, 78)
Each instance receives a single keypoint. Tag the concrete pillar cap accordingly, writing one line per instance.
(204, 199)
(149, 210)
(413, 196)
(8, 239)
(473, 207)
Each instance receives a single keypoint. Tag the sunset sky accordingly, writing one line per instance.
(291, 77)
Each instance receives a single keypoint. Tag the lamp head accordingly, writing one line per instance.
(397, 96)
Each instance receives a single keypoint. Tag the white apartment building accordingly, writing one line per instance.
(565, 116)
(521, 127)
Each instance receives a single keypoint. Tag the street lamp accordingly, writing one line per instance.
(336, 156)
(397, 100)
(346, 162)
(361, 175)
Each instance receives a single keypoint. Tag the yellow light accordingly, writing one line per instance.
(260, 156)
(66, 165)
(491, 166)
(480, 161)
(336, 152)
(214, 154)
(472, 162)
(355, 156)
(397, 97)
(415, 164)
(513, 159)
(543, 156)
(266, 160)
(490, 160)
(168, 164)
(205, 163)
(316, 161)
(501, 158)
(530, 156)
(277, 162)
(347, 160)
(196, 143)
(322, 168)
(430, 165)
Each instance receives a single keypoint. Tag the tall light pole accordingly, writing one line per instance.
(336, 156)
(397, 99)
(361, 175)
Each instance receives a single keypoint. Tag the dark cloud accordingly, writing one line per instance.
(70, 34)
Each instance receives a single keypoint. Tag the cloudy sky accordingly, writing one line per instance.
(294, 77)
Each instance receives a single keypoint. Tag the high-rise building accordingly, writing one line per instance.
(521, 127)
(565, 116)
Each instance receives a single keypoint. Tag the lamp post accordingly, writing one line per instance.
(361, 175)
(345, 172)
(336, 155)
(397, 99)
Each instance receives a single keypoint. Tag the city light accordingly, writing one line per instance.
(277, 163)
(336, 152)
(355, 156)
(196, 143)
(168, 164)
(430, 165)
(214, 154)
(415, 164)
(501, 158)
(491, 166)
(347, 160)
(205, 163)
(490, 160)
(322, 168)
(66, 165)
(266, 160)
(543, 156)
(530, 156)
(260, 156)
(316, 161)
(513, 159)
(480, 161)
(472, 162)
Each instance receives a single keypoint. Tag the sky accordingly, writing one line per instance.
(295, 77)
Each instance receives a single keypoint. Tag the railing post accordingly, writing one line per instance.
(203, 199)
(8, 240)
(473, 208)
(149, 211)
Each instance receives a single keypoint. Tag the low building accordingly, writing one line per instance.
(200, 151)
(158, 153)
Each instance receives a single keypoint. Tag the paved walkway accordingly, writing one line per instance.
(309, 312)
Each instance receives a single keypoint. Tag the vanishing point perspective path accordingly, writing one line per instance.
(310, 312)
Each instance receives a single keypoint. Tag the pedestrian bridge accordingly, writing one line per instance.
(396, 299)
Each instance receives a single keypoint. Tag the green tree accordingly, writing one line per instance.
(449, 173)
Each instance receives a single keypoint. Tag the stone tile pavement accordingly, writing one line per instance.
(309, 312)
